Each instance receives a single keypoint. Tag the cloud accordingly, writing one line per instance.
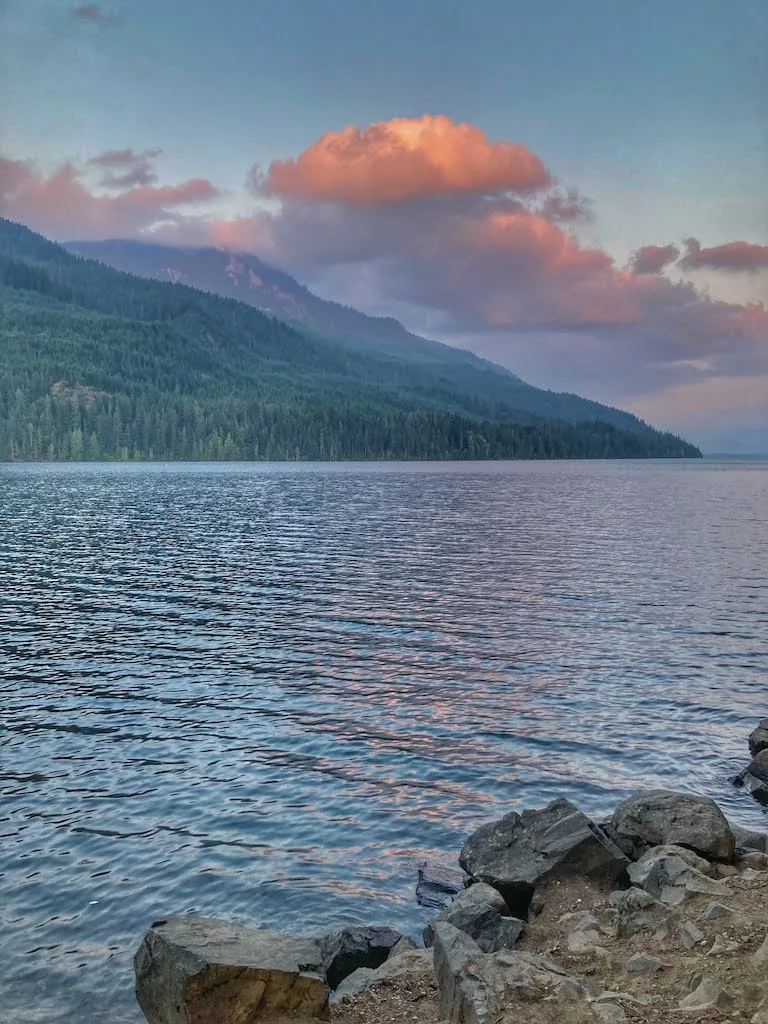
(401, 159)
(125, 168)
(94, 14)
(652, 259)
(62, 206)
(731, 256)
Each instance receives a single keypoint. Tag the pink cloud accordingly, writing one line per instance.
(652, 259)
(731, 256)
(62, 206)
(402, 159)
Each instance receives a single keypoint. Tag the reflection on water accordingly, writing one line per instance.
(263, 693)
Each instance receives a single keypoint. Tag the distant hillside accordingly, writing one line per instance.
(250, 280)
(97, 363)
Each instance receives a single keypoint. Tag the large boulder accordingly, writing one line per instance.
(192, 970)
(754, 778)
(347, 949)
(476, 988)
(659, 817)
(520, 851)
(758, 739)
(439, 883)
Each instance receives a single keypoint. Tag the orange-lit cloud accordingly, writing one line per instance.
(401, 159)
(732, 256)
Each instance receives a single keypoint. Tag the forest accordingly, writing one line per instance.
(98, 364)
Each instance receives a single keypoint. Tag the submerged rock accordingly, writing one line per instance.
(520, 851)
(192, 970)
(659, 818)
(347, 949)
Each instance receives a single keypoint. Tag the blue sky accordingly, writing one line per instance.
(656, 111)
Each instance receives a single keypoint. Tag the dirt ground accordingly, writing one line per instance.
(644, 998)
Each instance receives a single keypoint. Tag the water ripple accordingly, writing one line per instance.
(264, 692)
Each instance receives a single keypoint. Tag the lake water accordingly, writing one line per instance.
(266, 692)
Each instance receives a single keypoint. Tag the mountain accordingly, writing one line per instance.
(99, 363)
(244, 277)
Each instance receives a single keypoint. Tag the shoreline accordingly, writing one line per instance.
(660, 910)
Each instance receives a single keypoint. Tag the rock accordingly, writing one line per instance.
(727, 871)
(482, 923)
(760, 956)
(475, 988)
(348, 949)
(752, 859)
(478, 896)
(518, 852)
(754, 778)
(582, 931)
(671, 880)
(716, 911)
(192, 970)
(749, 839)
(414, 965)
(637, 912)
(610, 1013)
(690, 935)
(721, 946)
(639, 871)
(403, 945)
(758, 739)
(707, 996)
(750, 875)
(643, 963)
(439, 883)
(659, 817)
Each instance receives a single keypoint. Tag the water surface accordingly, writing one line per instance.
(265, 692)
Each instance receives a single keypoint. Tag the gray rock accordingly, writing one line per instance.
(414, 965)
(658, 818)
(403, 945)
(582, 931)
(482, 923)
(749, 839)
(610, 1013)
(643, 963)
(192, 970)
(716, 912)
(671, 880)
(474, 988)
(722, 946)
(707, 996)
(639, 871)
(479, 895)
(760, 956)
(754, 778)
(691, 935)
(638, 913)
(758, 739)
(752, 859)
(346, 950)
(439, 883)
(520, 851)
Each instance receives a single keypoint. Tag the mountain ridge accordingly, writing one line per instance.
(100, 363)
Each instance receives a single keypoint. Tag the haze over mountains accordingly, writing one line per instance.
(101, 363)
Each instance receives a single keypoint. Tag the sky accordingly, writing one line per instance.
(576, 190)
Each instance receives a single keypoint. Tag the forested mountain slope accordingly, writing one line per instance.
(97, 363)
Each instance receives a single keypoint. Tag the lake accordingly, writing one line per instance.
(265, 692)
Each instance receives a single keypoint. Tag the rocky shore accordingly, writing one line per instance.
(659, 913)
